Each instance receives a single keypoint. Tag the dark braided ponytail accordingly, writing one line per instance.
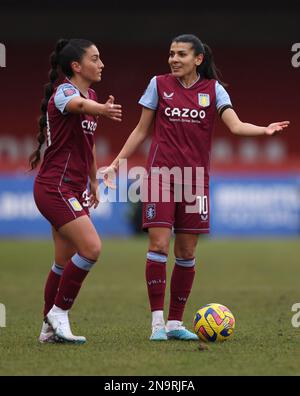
(35, 157)
(66, 52)
(208, 68)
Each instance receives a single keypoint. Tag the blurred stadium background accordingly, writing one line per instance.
(255, 181)
(255, 189)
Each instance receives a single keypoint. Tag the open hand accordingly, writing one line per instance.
(112, 110)
(108, 174)
(276, 127)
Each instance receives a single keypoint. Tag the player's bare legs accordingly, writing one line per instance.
(159, 239)
(159, 242)
(185, 245)
(181, 284)
(63, 248)
(82, 236)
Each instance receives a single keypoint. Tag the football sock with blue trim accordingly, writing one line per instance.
(73, 276)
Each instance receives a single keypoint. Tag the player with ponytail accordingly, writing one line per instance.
(69, 115)
(49, 89)
(181, 108)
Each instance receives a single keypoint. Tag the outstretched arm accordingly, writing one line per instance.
(236, 126)
(137, 136)
(87, 106)
(135, 139)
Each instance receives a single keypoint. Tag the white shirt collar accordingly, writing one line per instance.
(193, 83)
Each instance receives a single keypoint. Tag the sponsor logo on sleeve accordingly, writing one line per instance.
(69, 91)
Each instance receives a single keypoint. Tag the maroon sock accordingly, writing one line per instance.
(181, 285)
(72, 278)
(51, 287)
(156, 280)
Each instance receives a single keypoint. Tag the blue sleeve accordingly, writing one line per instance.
(63, 95)
(222, 97)
(150, 96)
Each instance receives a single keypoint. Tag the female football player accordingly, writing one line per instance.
(182, 105)
(69, 119)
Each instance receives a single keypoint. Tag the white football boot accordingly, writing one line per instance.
(177, 331)
(158, 327)
(158, 333)
(58, 319)
(47, 334)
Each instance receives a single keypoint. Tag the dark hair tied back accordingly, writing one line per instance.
(207, 69)
(66, 52)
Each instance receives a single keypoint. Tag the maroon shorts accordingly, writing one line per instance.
(189, 215)
(60, 205)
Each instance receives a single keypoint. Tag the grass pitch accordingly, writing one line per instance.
(257, 280)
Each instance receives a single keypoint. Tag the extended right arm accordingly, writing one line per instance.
(67, 99)
(88, 106)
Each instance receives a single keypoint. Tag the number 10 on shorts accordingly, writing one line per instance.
(203, 204)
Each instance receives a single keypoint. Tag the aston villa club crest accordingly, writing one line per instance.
(203, 99)
(75, 204)
(150, 211)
